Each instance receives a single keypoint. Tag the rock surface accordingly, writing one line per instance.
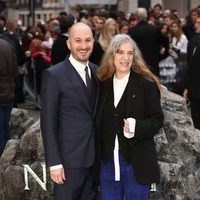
(177, 143)
(20, 122)
(178, 147)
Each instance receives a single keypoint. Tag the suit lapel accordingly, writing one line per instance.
(106, 88)
(131, 92)
(75, 79)
(93, 73)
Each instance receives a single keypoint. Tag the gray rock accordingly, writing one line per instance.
(20, 122)
(27, 150)
(178, 147)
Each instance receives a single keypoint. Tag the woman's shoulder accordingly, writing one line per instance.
(184, 38)
(143, 80)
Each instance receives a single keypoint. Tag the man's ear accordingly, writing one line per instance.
(68, 44)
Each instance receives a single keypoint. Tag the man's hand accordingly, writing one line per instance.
(58, 175)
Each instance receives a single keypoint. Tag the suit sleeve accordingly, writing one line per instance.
(150, 126)
(49, 118)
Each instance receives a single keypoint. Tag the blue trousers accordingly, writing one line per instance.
(127, 187)
(5, 113)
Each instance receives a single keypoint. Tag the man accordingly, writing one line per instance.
(8, 72)
(157, 11)
(189, 27)
(98, 26)
(193, 75)
(20, 55)
(69, 101)
(149, 40)
(59, 48)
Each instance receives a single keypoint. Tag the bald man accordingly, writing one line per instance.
(69, 99)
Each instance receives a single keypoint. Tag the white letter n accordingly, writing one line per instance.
(28, 169)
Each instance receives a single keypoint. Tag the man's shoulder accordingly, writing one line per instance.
(5, 44)
(59, 67)
(195, 40)
(143, 27)
(92, 65)
(61, 39)
(196, 37)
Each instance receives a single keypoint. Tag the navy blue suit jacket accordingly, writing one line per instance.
(67, 117)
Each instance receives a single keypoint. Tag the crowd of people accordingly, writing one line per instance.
(99, 79)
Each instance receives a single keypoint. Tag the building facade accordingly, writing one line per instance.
(28, 11)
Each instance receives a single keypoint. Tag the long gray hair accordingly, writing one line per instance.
(107, 67)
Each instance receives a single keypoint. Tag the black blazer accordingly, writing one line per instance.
(97, 53)
(143, 104)
(59, 49)
(193, 71)
(67, 117)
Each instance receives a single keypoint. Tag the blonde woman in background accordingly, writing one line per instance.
(179, 40)
(109, 30)
(178, 51)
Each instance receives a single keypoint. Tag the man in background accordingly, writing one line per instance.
(192, 90)
(59, 48)
(149, 40)
(8, 72)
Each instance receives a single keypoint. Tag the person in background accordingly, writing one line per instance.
(59, 48)
(129, 116)
(149, 40)
(98, 26)
(179, 40)
(189, 27)
(157, 10)
(2, 24)
(69, 98)
(123, 27)
(168, 20)
(192, 88)
(165, 30)
(109, 30)
(8, 72)
(178, 51)
(20, 55)
(41, 60)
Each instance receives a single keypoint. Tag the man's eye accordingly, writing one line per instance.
(89, 40)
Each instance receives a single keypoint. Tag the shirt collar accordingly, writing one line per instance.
(124, 79)
(77, 65)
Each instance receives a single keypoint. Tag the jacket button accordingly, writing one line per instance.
(116, 115)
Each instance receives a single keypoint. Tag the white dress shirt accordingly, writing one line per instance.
(119, 86)
(80, 68)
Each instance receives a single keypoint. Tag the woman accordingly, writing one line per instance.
(179, 40)
(128, 117)
(124, 27)
(108, 31)
(179, 54)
